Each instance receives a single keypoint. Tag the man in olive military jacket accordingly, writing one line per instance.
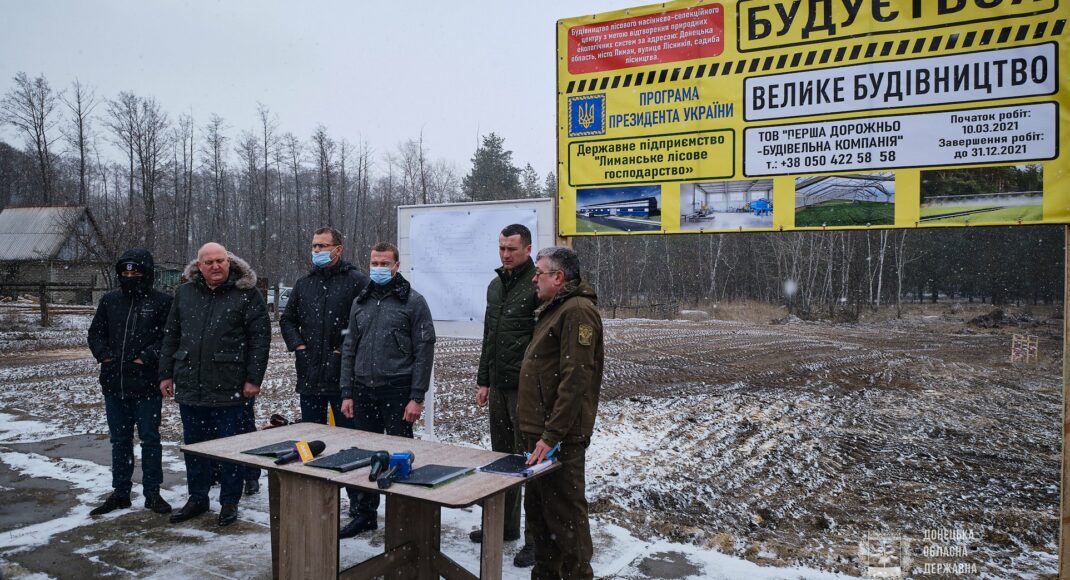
(560, 380)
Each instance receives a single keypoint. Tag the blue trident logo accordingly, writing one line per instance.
(587, 115)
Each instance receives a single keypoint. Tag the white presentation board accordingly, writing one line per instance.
(449, 253)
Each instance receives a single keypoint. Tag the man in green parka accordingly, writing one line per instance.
(507, 328)
(214, 356)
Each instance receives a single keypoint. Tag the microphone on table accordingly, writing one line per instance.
(362, 462)
(312, 448)
(380, 460)
(400, 467)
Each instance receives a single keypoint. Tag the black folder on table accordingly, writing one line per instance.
(273, 450)
(515, 465)
(345, 460)
(435, 475)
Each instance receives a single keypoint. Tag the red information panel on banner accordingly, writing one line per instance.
(672, 36)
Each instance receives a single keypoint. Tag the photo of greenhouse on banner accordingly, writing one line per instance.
(779, 115)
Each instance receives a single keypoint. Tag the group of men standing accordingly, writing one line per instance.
(364, 347)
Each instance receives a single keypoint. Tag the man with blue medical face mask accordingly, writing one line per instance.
(313, 324)
(386, 362)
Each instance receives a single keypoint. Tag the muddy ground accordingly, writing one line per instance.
(785, 443)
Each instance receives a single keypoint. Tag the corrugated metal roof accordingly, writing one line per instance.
(35, 233)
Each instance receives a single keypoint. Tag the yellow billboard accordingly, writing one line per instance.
(770, 115)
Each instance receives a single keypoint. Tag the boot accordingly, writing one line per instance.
(508, 535)
(525, 558)
(154, 502)
(114, 502)
(188, 511)
(360, 524)
(228, 515)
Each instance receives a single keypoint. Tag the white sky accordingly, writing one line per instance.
(374, 71)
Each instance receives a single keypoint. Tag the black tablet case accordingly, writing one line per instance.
(511, 465)
(273, 450)
(434, 475)
(340, 460)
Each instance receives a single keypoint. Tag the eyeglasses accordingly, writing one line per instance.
(540, 273)
(322, 246)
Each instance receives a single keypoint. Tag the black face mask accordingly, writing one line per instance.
(132, 286)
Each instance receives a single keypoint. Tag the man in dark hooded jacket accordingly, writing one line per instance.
(312, 326)
(125, 338)
(215, 353)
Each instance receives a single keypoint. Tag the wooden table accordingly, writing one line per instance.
(304, 504)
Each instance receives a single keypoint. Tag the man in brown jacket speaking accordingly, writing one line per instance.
(560, 380)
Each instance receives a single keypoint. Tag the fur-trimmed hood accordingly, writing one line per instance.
(241, 273)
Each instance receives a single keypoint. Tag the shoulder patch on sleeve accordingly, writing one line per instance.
(586, 334)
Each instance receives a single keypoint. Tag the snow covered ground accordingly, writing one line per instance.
(137, 543)
(723, 450)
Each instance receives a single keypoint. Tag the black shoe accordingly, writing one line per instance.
(360, 524)
(252, 487)
(154, 502)
(509, 536)
(188, 511)
(525, 558)
(114, 502)
(228, 515)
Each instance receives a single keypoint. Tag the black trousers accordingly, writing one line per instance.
(379, 411)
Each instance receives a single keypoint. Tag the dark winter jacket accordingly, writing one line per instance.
(129, 325)
(561, 377)
(216, 340)
(390, 344)
(316, 316)
(507, 326)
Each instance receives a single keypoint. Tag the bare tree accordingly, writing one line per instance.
(423, 168)
(268, 142)
(359, 231)
(344, 151)
(150, 140)
(294, 151)
(121, 120)
(883, 239)
(407, 160)
(102, 171)
(81, 103)
(248, 150)
(323, 148)
(902, 257)
(215, 165)
(184, 195)
(28, 106)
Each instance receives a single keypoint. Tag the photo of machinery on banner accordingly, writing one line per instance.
(778, 115)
